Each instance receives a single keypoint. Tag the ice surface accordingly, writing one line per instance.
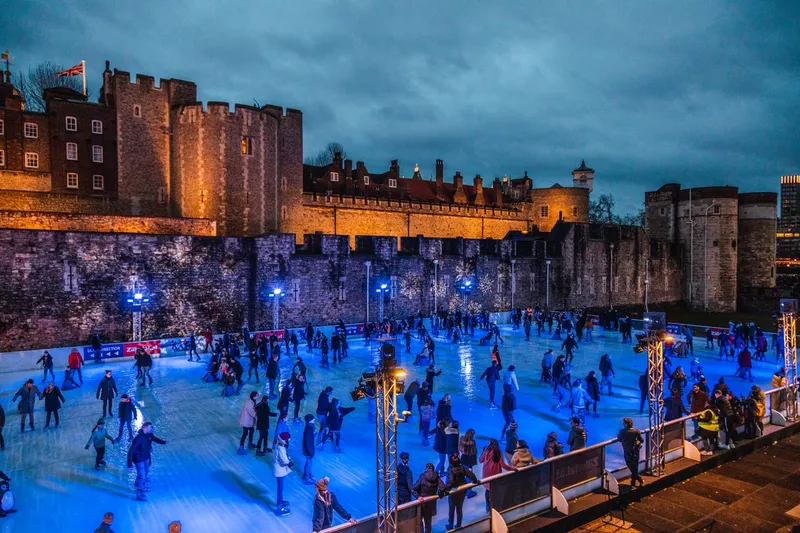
(200, 480)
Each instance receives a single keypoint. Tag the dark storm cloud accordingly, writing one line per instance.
(693, 92)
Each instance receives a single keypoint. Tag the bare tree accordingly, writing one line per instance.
(325, 156)
(43, 76)
(601, 211)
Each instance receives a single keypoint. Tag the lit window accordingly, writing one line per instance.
(2, 127)
(247, 146)
(575, 213)
(716, 210)
(72, 151)
(31, 160)
(31, 130)
(366, 180)
(72, 180)
(544, 211)
(137, 111)
(98, 183)
(97, 153)
(72, 124)
(2, 158)
(334, 176)
(392, 183)
(97, 127)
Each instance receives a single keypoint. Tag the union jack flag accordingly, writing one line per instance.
(77, 70)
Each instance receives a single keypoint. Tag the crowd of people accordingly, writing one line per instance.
(717, 410)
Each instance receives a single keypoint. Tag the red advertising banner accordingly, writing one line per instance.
(151, 347)
(268, 334)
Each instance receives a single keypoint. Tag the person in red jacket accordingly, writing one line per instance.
(75, 362)
(209, 339)
(745, 365)
(493, 463)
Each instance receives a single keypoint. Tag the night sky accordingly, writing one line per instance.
(701, 93)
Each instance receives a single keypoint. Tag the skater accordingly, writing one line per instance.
(106, 391)
(430, 374)
(440, 443)
(508, 406)
(47, 365)
(425, 416)
(607, 373)
(105, 527)
(192, 345)
(272, 374)
(139, 455)
(468, 449)
(333, 423)
(492, 376)
(547, 365)
(511, 378)
(410, 394)
(146, 364)
(579, 400)
(444, 409)
(27, 395)
(263, 414)
(282, 468)
(98, 439)
(69, 381)
(552, 448)
(126, 412)
(745, 365)
(75, 362)
(2, 425)
(325, 503)
(492, 460)
(631, 441)
(422, 395)
(428, 485)
(299, 391)
(309, 447)
(593, 391)
(689, 337)
(247, 421)
(570, 345)
(237, 370)
(285, 397)
(53, 400)
(511, 438)
(323, 405)
(253, 366)
(457, 475)
(726, 418)
(675, 408)
(228, 380)
(405, 480)
(559, 367)
(576, 439)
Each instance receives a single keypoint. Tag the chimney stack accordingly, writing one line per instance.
(439, 171)
(478, 185)
(395, 168)
(459, 196)
(348, 169)
(497, 185)
(337, 159)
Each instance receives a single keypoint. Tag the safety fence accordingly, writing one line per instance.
(552, 483)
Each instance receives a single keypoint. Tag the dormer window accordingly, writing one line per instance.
(334, 176)
(392, 183)
(366, 180)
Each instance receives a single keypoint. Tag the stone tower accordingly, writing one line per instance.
(757, 239)
(583, 177)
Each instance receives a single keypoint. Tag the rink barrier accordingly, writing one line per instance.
(551, 483)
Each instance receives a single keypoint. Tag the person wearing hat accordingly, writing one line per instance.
(282, 468)
(98, 439)
(522, 456)
(457, 475)
(325, 503)
(106, 391)
(405, 479)
(309, 447)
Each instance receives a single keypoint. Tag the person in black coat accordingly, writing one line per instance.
(325, 503)
(107, 391)
(47, 365)
(263, 413)
(410, 394)
(27, 395)
(643, 391)
(238, 370)
(272, 374)
(444, 410)
(52, 403)
(323, 405)
(146, 364)
(298, 394)
(440, 443)
(309, 447)
(285, 397)
(593, 390)
(430, 373)
(253, 357)
(558, 371)
(492, 376)
(457, 475)
(422, 395)
(127, 413)
(428, 484)
(333, 422)
(631, 441)
(139, 456)
(2, 425)
(405, 479)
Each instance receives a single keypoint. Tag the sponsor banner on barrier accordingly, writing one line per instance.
(354, 329)
(151, 347)
(107, 351)
(578, 467)
(258, 334)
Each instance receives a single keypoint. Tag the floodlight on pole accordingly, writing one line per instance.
(136, 301)
(276, 295)
(383, 289)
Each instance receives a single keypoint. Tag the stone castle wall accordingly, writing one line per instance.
(106, 223)
(67, 285)
(757, 242)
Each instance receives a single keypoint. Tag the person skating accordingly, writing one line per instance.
(570, 345)
(405, 480)
(468, 449)
(430, 374)
(53, 400)
(457, 475)
(309, 447)
(192, 345)
(2, 425)
(451, 437)
(47, 365)
(253, 366)
(27, 395)
(127, 413)
(440, 443)
(607, 373)
(107, 391)
(75, 362)
(708, 430)
(334, 421)
(285, 397)
(593, 391)
(263, 414)
(238, 370)
(410, 394)
(272, 374)
(559, 367)
(492, 376)
(552, 448)
(282, 468)
(511, 438)
(643, 391)
(323, 405)
(325, 503)
(428, 485)
(247, 421)
(547, 366)
(579, 400)
(508, 405)
(576, 439)
(631, 441)
(511, 378)
(146, 364)
(423, 394)
(299, 391)
(139, 455)
(726, 418)
(425, 417)
(69, 380)
(98, 439)
(444, 409)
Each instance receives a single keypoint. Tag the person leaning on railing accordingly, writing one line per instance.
(457, 475)
(708, 429)
(631, 440)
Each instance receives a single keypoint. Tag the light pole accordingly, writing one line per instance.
(513, 282)
(383, 289)
(611, 278)
(136, 300)
(691, 253)
(705, 260)
(276, 296)
(646, 283)
(367, 264)
(466, 288)
(435, 286)
(547, 286)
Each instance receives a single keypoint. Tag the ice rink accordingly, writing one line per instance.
(199, 479)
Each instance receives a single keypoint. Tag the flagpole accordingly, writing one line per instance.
(83, 69)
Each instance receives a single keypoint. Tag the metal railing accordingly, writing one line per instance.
(530, 490)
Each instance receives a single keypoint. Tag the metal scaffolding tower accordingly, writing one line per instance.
(655, 328)
(789, 323)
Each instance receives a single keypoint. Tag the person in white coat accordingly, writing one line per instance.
(247, 419)
(511, 377)
(283, 467)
